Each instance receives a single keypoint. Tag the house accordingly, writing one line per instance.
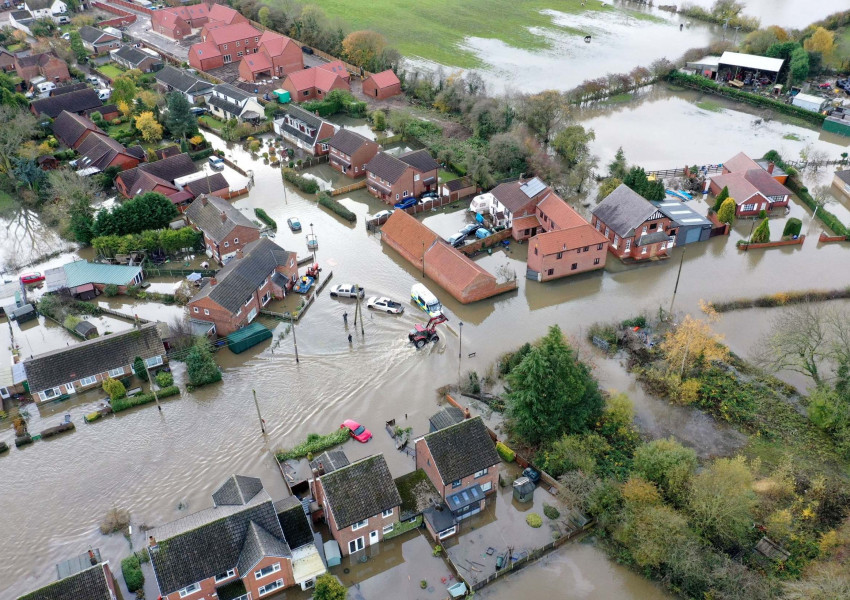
(389, 178)
(46, 65)
(686, 225)
(229, 102)
(98, 152)
(86, 365)
(236, 549)
(383, 85)
(462, 277)
(45, 9)
(7, 61)
(170, 79)
(21, 20)
(205, 183)
(564, 243)
(425, 170)
(157, 176)
(278, 56)
(234, 297)
(97, 41)
(635, 228)
(85, 576)
(350, 151)
(515, 199)
(315, 83)
(67, 88)
(74, 102)
(221, 15)
(82, 277)
(307, 563)
(360, 502)
(305, 130)
(841, 180)
(177, 22)
(223, 45)
(755, 186)
(462, 463)
(225, 228)
(143, 59)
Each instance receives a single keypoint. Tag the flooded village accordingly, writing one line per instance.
(304, 375)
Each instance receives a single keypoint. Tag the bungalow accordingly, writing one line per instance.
(85, 576)
(383, 85)
(170, 79)
(316, 82)
(223, 45)
(67, 88)
(46, 65)
(229, 102)
(389, 178)
(86, 365)
(236, 549)
(360, 501)
(634, 226)
(305, 130)
(75, 102)
(82, 277)
(97, 41)
(158, 176)
(841, 181)
(350, 151)
(72, 129)
(225, 228)
(205, 183)
(235, 296)
(99, 152)
(462, 463)
(755, 186)
(143, 59)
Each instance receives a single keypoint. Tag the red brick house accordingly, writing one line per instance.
(46, 65)
(72, 129)
(425, 170)
(234, 297)
(222, 45)
(383, 85)
(225, 228)
(221, 15)
(84, 576)
(7, 61)
(755, 185)
(177, 22)
(389, 178)
(79, 102)
(315, 83)
(98, 41)
(635, 228)
(350, 152)
(462, 463)
(516, 199)
(360, 502)
(278, 56)
(159, 176)
(99, 151)
(240, 548)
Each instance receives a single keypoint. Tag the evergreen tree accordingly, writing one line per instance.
(139, 369)
(726, 214)
(201, 365)
(618, 167)
(761, 235)
(718, 202)
(180, 120)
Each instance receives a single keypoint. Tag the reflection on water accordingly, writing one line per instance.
(23, 239)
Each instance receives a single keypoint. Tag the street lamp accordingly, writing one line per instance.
(313, 237)
(460, 346)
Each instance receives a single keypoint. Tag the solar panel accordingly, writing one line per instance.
(533, 187)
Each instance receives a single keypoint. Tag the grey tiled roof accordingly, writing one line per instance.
(75, 102)
(68, 88)
(232, 92)
(623, 210)
(69, 127)
(421, 160)
(293, 520)
(446, 417)
(361, 490)
(259, 543)
(843, 175)
(168, 169)
(98, 150)
(207, 217)
(331, 460)
(237, 490)
(387, 167)
(205, 185)
(93, 34)
(462, 449)
(92, 357)
(308, 118)
(134, 56)
(226, 105)
(85, 585)
(182, 81)
(347, 141)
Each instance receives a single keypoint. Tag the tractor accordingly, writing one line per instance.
(424, 334)
(313, 271)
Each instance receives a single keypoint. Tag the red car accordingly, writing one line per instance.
(29, 278)
(357, 431)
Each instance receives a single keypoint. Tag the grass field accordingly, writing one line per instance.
(710, 106)
(435, 29)
(110, 70)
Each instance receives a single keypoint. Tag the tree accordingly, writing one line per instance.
(574, 452)
(478, 169)
(757, 42)
(114, 388)
(798, 68)
(638, 181)
(691, 344)
(507, 154)
(264, 17)
(761, 234)
(726, 214)
(652, 533)
(42, 28)
(822, 42)
(379, 120)
(150, 128)
(618, 168)
(363, 48)
(19, 125)
(607, 186)
(329, 587)
(179, 119)
(140, 369)
(124, 90)
(551, 392)
(668, 464)
(80, 52)
(572, 144)
(718, 201)
(721, 502)
(542, 112)
(72, 199)
(201, 365)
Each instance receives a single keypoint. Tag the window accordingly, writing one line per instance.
(748, 207)
(607, 232)
(154, 362)
(235, 240)
(595, 261)
(574, 267)
(355, 545)
(586, 248)
(270, 587)
(224, 47)
(256, 39)
(206, 312)
(325, 149)
(550, 272)
(535, 251)
(266, 297)
(266, 571)
(387, 513)
(237, 43)
(190, 589)
(653, 226)
(447, 532)
(223, 576)
(88, 381)
(51, 393)
(456, 483)
(644, 229)
(628, 244)
(396, 196)
(355, 169)
(239, 54)
(119, 372)
(559, 255)
(481, 473)
(227, 58)
(598, 225)
(248, 301)
(388, 528)
(360, 525)
(599, 246)
(195, 309)
(227, 244)
(306, 92)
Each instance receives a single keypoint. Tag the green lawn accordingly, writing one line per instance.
(211, 121)
(435, 29)
(446, 176)
(114, 130)
(110, 70)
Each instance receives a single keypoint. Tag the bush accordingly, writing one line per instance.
(639, 321)
(327, 201)
(164, 379)
(265, 218)
(114, 388)
(201, 365)
(122, 404)
(550, 511)
(534, 520)
(132, 571)
(792, 228)
(510, 360)
(308, 186)
(761, 235)
(110, 290)
(828, 219)
(506, 453)
(115, 520)
(315, 443)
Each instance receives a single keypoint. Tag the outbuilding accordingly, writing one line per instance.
(809, 102)
(686, 225)
(734, 66)
(383, 85)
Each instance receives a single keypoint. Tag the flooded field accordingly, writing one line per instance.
(785, 13)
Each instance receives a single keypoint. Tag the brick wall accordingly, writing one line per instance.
(253, 585)
(207, 590)
(634, 251)
(132, 6)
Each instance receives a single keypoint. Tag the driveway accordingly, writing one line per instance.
(141, 31)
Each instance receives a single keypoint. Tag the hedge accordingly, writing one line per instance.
(327, 201)
(265, 218)
(201, 154)
(506, 453)
(124, 403)
(828, 219)
(315, 443)
(132, 571)
(308, 186)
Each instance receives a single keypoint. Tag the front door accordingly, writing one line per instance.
(373, 537)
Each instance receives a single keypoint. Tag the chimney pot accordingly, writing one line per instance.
(239, 253)
(92, 558)
(223, 217)
(213, 281)
(770, 167)
(204, 200)
(321, 469)
(466, 413)
(152, 541)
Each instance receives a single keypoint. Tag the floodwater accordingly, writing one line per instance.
(785, 13)
(24, 238)
(160, 465)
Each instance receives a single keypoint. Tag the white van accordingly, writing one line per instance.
(47, 86)
(104, 94)
(425, 300)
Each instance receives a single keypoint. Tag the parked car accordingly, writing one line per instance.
(469, 228)
(216, 163)
(198, 110)
(424, 299)
(482, 232)
(294, 223)
(382, 213)
(357, 431)
(34, 277)
(347, 290)
(457, 239)
(306, 50)
(94, 80)
(429, 197)
(385, 304)
(104, 94)
(406, 203)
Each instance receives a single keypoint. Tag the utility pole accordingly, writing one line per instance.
(423, 260)
(678, 275)
(357, 311)
(153, 385)
(259, 416)
(314, 244)
(294, 339)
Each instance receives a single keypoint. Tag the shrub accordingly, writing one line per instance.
(110, 290)
(506, 453)
(115, 520)
(551, 512)
(510, 360)
(315, 443)
(308, 186)
(164, 379)
(140, 369)
(761, 235)
(114, 388)
(639, 321)
(132, 571)
(327, 201)
(265, 218)
(122, 404)
(792, 228)
(726, 214)
(718, 201)
(201, 365)
(534, 520)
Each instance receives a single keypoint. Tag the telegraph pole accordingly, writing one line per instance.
(153, 385)
(294, 339)
(259, 416)
(676, 287)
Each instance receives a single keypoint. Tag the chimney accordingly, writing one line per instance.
(213, 281)
(321, 468)
(239, 254)
(770, 167)
(223, 217)
(151, 541)
(204, 201)
(466, 413)
(92, 558)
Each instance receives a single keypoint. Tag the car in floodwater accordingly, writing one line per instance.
(381, 214)
(347, 290)
(406, 203)
(357, 431)
(216, 163)
(30, 278)
(385, 304)
(294, 223)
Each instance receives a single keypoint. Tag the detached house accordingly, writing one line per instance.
(99, 152)
(79, 102)
(462, 463)
(411, 174)
(86, 576)
(229, 102)
(158, 176)
(143, 59)
(170, 79)
(635, 228)
(45, 9)
(755, 186)
(225, 228)
(223, 45)
(425, 170)
(360, 501)
(278, 56)
(176, 22)
(305, 130)
(514, 200)
(46, 65)
(97, 41)
(221, 15)
(86, 365)
(383, 85)
(233, 298)
(315, 83)
(350, 151)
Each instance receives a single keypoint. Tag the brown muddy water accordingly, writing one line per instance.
(160, 465)
(792, 14)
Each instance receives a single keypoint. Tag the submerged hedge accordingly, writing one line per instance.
(315, 443)
(328, 202)
(265, 218)
(120, 404)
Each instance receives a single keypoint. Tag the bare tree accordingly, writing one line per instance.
(822, 196)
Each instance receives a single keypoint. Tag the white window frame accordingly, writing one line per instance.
(195, 309)
(607, 232)
(481, 473)
(387, 513)
(224, 46)
(447, 532)
(207, 311)
(235, 240)
(388, 528)
(154, 361)
(266, 571)
(190, 589)
(56, 392)
(88, 381)
(230, 573)
(269, 587)
(227, 244)
(356, 545)
(116, 372)
(416, 177)
(628, 245)
(360, 525)
(69, 388)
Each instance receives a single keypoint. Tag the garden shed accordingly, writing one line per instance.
(247, 337)
(86, 329)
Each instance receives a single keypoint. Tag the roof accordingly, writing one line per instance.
(387, 167)
(335, 66)
(212, 183)
(81, 272)
(809, 98)
(181, 80)
(740, 189)
(681, 214)
(458, 270)
(187, 12)
(740, 162)
(439, 517)
(69, 127)
(257, 62)
(233, 92)
(225, 105)
(98, 150)
(78, 564)
(445, 417)
(765, 183)
(167, 169)
(274, 43)
(21, 15)
(93, 34)
(529, 222)
(466, 497)
(560, 214)
(205, 214)
(458, 184)
(89, 584)
(421, 160)
(293, 521)
(92, 357)
(462, 449)
(260, 543)
(561, 240)
(38, 4)
(242, 276)
(68, 88)
(751, 61)
(224, 14)
(231, 33)
(408, 232)
(314, 77)
(623, 210)
(310, 121)
(331, 460)
(84, 328)
(516, 195)
(132, 55)
(75, 102)
(347, 141)
(237, 490)
(361, 490)
(385, 79)
(653, 238)
(843, 175)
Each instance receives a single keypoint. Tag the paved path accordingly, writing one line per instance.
(141, 30)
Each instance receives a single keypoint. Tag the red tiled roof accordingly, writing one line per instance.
(336, 66)
(559, 212)
(225, 14)
(315, 77)
(560, 240)
(408, 232)
(740, 162)
(458, 269)
(257, 62)
(274, 43)
(765, 183)
(528, 222)
(740, 189)
(385, 79)
(231, 33)
(205, 49)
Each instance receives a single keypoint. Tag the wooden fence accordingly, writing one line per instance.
(391, 139)
(686, 171)
(359, 185)
(157, 272)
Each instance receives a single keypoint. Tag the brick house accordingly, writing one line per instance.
(72, 129)
(635, 228)
(360, 501)
(46, 65)
(99, 152)
(383, 85)
(388, 178)
(425, 170)
(305, 130)
(85, 576)
(462, 463)
(170, 79)
(235, 296)
(158, 176)
(278, 56)
(221, 15)
(230, 102)
(176, 22)
(237, 549)
(350, 152)
(142, 59)
(315, 83)
(97, 41)
(515, 199)
(86, 365)
(7, 61)
(225, 228)
(223, 45)
(754, 185)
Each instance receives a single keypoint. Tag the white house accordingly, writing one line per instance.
(46, 9)
(21, 20)
(229, 102)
